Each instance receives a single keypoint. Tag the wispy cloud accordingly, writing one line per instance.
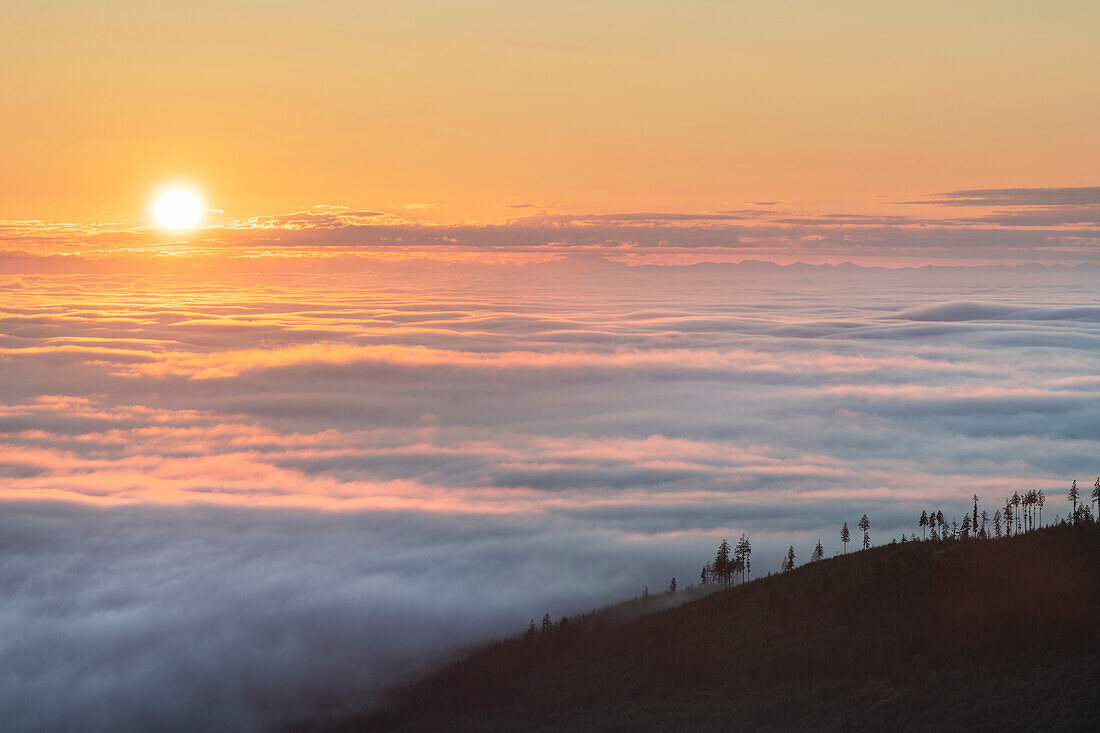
(1017, 225)
(1073, 196)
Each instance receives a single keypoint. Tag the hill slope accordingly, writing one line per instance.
(977, 634)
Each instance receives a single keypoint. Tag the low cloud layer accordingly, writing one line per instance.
(233, 500)
(982, 226)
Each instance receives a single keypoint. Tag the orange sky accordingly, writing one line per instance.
(462, 110)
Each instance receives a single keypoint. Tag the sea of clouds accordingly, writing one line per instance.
(234, 502)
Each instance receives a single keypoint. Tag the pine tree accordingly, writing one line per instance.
(985, 521)
(819, 552)
(1096, 494)
(748, 559)
(672, 585)
(997, 524)
(923, 522)
(1008, 517)
(547, 623)
(865, 524)
(531, 633)
(1042, 500)
(845, 537)
(964, 531)
(1016, 509)
(703, 576)
(722, 563)
(1073, 496)
(788, 564)
(942, 524)
(741, 554)
(974, 522)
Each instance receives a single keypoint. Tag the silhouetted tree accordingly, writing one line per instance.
(564, 623)
(1096, 494)
(942, 524)
(788, 562)
(742, 553)
(1083, 514)
(923, 523)
(964, 530)
(933, 536)
(845, 537)
(819, 552)
(985, 521)
(672, 585)
(1042, 500)
(703, 575)
(531, 633)
(865, 524)
(1016, 509)
(1073, 496)
(737, 568)
(974, 521)
(997, 524)
(722, 565)
(1008, 517)
(547, 623)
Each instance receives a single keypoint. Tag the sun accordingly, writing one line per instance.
(178, 209)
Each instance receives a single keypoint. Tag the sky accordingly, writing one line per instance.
(789, 125)
(499, 309)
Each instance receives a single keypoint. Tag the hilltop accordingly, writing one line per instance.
(974, 634)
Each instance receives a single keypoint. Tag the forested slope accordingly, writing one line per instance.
(974, 634)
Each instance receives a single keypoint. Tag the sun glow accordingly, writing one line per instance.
(178, 209)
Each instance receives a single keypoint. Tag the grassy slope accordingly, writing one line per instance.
(989, 634)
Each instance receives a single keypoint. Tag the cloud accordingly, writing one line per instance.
(233, 499)
(1072, 196)
(1018, 226)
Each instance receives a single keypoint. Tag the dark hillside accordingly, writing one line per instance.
(974, 634)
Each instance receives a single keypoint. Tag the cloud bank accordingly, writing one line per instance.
(1012, 225)
(233, 500)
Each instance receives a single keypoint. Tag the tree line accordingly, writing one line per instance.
(1022, 512)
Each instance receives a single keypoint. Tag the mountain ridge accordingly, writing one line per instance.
(957, 634)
